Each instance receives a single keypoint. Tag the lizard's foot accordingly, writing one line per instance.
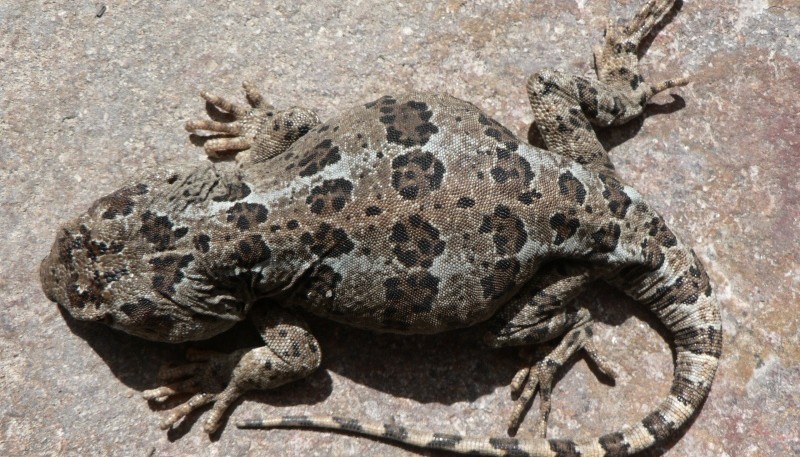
(240, 132)
(257, 127)
(617, 63)
(206, 376)
(222, 378)
(541, 374)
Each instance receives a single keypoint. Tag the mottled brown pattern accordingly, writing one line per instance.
(507, 141)
(330, 197)
(168, 271)
(512, 171)
(416, 174)
(606, 237)
(571, 188)
(416, 242)
(120, 202)
(407, 124)
(507, 230)
(408, 295)
(158, 230)
(145, 312)
(564, 227)
(322, 285)
(246, 215)
(617, 200)
(324, 154)
(502, 278)
(327, 241)
(250, 251)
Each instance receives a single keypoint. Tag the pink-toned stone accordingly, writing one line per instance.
(87, 101)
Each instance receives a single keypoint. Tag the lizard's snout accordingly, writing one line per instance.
(61, 281)
(50, 277)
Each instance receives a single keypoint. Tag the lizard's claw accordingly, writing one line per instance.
(525, 384)
(222, 378)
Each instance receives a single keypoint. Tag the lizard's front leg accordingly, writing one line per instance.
(290, 353)
(259, 128)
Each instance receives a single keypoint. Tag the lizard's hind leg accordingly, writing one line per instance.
(542, 313)
(565, 106)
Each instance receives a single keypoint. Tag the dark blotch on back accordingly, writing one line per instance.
(571, 187)
(327, 241)
(508, 230)
(614, 193)
(168, 271)
(330, 197)
(407, 124)
(416, 173)
(465, 202)
(145, 313)
(564, 226)
(250, 251)
(416, 242)
(322, 155)
(201, 242)
(247, 215)
(502, 279)
(157, 230)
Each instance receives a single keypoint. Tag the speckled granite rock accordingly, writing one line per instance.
(87, 101)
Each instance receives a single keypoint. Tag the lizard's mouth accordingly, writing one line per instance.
(49, 279)
(53, 272)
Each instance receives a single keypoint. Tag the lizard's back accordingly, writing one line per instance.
(419, 213)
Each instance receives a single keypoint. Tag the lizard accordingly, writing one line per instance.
(414, 214)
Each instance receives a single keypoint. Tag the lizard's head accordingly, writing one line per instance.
(131, 262)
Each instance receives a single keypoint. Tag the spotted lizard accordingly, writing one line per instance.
(414, 214)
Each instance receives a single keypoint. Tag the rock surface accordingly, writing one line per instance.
(86, 101)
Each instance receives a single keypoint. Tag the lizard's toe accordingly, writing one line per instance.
(539, 377)
(184, 409)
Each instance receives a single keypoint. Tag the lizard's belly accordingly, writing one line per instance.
(412, 302)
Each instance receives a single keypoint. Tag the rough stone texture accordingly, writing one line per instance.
(87, 101)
